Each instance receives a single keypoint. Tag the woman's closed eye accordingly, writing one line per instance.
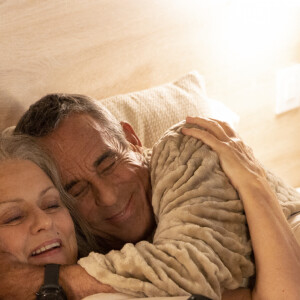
(51, 203)
(12, 219)
(52, 206)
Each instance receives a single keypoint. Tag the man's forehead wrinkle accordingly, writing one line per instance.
(87, 122)
(56, 143)
(79, 165)
(76, 144)
(75, 167)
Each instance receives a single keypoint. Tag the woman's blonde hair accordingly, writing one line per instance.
(21, 147)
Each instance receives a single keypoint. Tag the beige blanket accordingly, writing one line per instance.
(201, 244)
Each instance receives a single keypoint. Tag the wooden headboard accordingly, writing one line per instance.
(107, 47)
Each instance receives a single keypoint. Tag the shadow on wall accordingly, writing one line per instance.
(10, 111)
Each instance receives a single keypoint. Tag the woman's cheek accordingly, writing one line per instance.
(68, 230)
(12, 250)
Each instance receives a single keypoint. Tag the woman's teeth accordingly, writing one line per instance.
(46, 248)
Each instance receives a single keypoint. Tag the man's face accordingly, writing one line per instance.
(111, 186)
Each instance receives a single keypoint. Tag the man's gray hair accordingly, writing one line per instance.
(46, 114)
(19, 147)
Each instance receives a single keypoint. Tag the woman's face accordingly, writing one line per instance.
(35, 227)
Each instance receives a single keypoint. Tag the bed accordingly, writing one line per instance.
(157, 62)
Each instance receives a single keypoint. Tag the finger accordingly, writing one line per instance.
(211, 126)
(206, 137)
(227, 128)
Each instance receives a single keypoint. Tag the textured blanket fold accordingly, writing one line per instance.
(201, 244)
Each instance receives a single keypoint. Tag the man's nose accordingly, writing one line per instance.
(105, 193)
(40, 221)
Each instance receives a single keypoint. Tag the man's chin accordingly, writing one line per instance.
(142, 235)
(117, 243)
(127, 234)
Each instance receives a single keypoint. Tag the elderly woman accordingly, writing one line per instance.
(38, 224)
(33, 208)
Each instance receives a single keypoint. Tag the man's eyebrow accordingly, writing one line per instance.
(97, 162)
(102, 157)
(69, 185)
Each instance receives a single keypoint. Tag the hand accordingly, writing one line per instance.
(276, 250)
(78, 284)
(14, 283)
(236, 158)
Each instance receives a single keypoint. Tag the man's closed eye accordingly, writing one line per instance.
(107, 167)
(79, 189)
(106, 162)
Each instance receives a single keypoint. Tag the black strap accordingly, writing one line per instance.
(198, 297)
(51, 275)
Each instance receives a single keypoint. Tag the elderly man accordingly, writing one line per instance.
(103, 167)
(100, 166)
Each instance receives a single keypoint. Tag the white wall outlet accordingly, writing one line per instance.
(288, 89)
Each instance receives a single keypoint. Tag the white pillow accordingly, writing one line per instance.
(151, 112)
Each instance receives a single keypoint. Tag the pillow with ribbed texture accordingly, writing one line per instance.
(152, 111)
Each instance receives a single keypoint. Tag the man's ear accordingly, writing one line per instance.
(130, 135)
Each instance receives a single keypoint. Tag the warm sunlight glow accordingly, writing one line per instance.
(256, 32)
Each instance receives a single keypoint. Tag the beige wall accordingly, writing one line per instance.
(103, 48)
